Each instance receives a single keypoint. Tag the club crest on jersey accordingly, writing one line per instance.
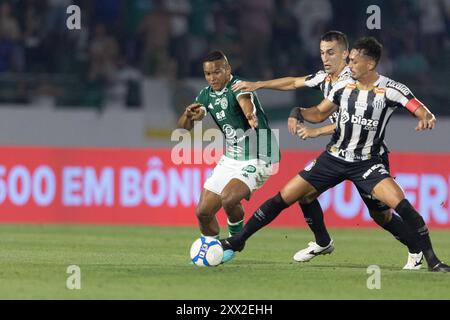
(379, 103)
(223, 102)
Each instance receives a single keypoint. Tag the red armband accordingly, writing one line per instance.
(413, 105)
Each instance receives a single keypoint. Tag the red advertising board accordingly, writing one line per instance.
(144, 186)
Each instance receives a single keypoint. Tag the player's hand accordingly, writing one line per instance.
(304, 132)
(252, 120)
(292, 125)
(194, 112)
(245, 86)
(429, 123)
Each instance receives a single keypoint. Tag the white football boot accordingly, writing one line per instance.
(312, 251)
(415, 261)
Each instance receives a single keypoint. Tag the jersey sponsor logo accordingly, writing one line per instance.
(378, 167)
(369, 124)
(334, 117)
(361, 105)
(400, 87)
(347, 154)
(379, 90)
(229, 131)
(344, 117)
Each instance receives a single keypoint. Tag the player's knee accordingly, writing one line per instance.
(381, 217)
(229, 201)
(203, 214)
(308, 199)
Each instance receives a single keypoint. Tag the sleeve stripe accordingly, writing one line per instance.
(246, 92)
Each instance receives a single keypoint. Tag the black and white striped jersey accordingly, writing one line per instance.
(363, 116)
(322, 81)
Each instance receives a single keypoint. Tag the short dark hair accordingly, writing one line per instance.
(369, 46)
(214, 56)
(338, 36)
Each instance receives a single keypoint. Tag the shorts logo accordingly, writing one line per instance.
(381, 170)
(310, 165)
(249, 169)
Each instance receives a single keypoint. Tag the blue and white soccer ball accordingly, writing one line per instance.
(206, 252)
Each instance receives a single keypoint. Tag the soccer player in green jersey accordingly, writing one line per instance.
(246, 165)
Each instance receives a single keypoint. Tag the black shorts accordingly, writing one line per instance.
(327, 171)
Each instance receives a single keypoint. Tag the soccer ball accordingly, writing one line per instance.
(206, 252)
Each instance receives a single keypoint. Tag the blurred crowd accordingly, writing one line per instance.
(123, 40)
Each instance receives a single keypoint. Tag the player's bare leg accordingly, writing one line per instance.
(381, 217)
(390, 193)
(297, 188)
(232, 195)
(206, 210)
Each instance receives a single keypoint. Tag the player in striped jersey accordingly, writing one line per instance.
(365, 106)
(334, 55)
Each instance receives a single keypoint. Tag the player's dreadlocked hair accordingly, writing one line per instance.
(214, 56)
(369, 46)
(338, 36)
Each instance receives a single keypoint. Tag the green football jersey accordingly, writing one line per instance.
(241, 141)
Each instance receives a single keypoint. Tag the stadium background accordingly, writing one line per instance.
(86, 115)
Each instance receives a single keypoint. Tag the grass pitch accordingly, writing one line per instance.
(153, 263)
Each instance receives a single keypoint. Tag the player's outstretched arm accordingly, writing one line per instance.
(193, 112)
(249, 109)
(305, 132)
(287, 83)
(427, 120)
(314, 114)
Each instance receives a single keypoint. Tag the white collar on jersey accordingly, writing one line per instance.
(344, 71)
(219, 93)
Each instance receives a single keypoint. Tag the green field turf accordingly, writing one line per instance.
(152, 263)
